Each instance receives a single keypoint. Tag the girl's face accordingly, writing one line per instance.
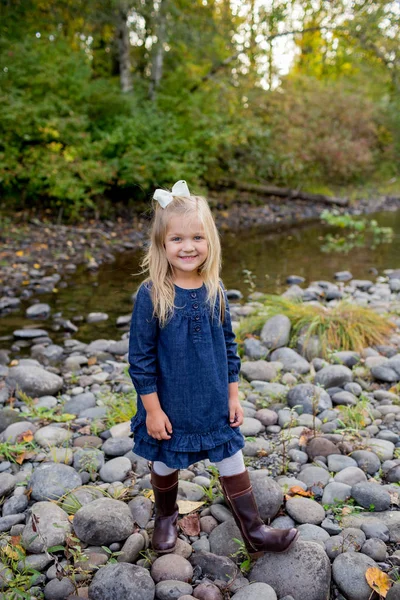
(185, 245)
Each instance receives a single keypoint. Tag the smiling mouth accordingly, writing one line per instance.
(188, 257)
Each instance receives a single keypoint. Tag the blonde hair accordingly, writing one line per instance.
(156, 264)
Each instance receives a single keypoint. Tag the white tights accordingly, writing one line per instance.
(233, 465)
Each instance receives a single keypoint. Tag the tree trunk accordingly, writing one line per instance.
(125, 74)
(158, 58)
(272, 190)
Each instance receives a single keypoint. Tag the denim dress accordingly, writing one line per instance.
(189, 363)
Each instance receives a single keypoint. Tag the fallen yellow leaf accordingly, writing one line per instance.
(188, 506)
(378, 581)
(296, 490)
(92, 360)
(27, 436)
(20, 458)
(149, 494)
(36, 266)
(19, 253)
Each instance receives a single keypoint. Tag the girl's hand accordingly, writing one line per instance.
(235, 413)
(158, 425)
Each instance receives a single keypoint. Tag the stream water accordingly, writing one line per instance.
(266, 257)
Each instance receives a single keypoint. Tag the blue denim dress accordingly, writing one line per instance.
(189, 363)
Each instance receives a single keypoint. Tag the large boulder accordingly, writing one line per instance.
(122, 581)
(304, 571)
(34, 381)
(103, 522)
(48, 520)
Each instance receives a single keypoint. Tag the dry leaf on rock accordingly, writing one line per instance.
(149, 494)
(378, 581)
(187, 506)
(190, 524)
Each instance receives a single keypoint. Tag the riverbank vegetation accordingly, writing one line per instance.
(344, 327)
(102, 101)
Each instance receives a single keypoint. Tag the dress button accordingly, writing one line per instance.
(197, 317)
(197, 328)
(193, 294)
(195, 305)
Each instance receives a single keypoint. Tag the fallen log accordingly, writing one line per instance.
(272, 190)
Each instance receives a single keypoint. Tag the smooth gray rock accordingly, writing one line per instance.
(375, 549)
(344, 398)
(9, 521)
(349, 575)
(15, 505)
(291, 361)
(338, 462)
(382, 448)
(305, 510)
(350, 476)
(333, 376)
(171, 566)
(222, 538)
(116, 469)
(251, 427)
(173, 590)
(79, 403)
(304, 571)
(367, 461)
(103, 521)
(256, 591)
(190, 491)
(371, 496)
(314, 476)
(141, 509)
(8, 483)
(50, 435)
(58, 589)
(122, 580)
(214, 566)
(309, 398)
(254, 349)
(394, 592)
(53, 524)
(336, 492)
(131, 548)
(258, 369)
(268, 494)
(34, 381)
(50, 481)
(276, 332)
(376, 530)
(313, 533)
(117, 446)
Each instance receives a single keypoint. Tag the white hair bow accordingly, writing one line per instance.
(179, 188)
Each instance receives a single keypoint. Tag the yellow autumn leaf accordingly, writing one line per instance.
(27, 436)
(13, 552)
(92, 360)
(36, 266)
(19, 253)
(14, 363)
(71, 517)
(378, 581)
(20, 458)
(149, 494)
(187, 506)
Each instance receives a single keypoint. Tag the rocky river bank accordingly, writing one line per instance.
(322, 446)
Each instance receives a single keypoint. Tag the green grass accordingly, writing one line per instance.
(344, 327)
(121, 407)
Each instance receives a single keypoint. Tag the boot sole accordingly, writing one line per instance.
(260, 553)
(165, 551)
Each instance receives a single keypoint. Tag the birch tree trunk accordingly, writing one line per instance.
(123, 41)
(158, 57)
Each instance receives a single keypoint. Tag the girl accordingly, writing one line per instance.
(185, 369)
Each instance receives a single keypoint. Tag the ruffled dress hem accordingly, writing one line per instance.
(184, 449)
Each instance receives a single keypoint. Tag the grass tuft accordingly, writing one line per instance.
(344, 327)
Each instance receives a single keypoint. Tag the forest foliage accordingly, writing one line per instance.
(103, 100)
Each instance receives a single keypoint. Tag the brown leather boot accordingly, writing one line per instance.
(165, 488)
(257, 536)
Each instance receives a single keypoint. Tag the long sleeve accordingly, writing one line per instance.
(234, 361)
(143, 344)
